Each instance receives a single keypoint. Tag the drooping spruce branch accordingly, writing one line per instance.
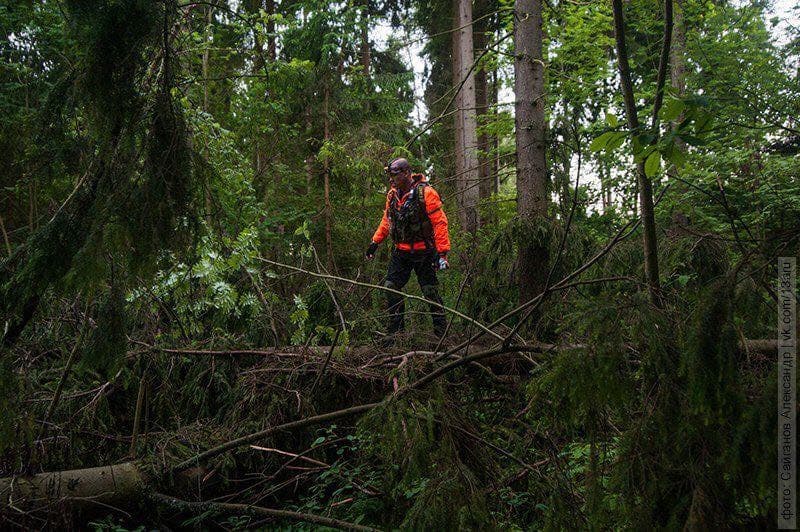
(139, 182)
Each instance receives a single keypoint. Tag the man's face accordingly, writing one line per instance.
(400, 179)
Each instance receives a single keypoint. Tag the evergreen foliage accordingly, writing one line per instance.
(186, 193)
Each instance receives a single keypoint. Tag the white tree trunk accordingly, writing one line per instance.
(466, 145)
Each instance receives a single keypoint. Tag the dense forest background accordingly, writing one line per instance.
(191, 334)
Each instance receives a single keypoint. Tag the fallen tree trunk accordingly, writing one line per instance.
(109, 485)
(121, 484)
(765, 345)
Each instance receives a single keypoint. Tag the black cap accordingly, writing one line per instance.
(398, 166)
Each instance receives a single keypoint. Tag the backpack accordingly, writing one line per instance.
(410, 223)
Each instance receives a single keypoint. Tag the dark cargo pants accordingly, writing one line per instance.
(401, 264)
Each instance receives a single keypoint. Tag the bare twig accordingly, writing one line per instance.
(327, 361)
(63, 379)
(137, 418)
(386, 289)
(250, 438)
(203, 506)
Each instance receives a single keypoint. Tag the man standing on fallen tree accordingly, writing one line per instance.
(413, 216)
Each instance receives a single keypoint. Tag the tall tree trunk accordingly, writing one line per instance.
(366, 51)
(458, 125)
(309, 166)
(480, 27)
(5, 235)
(466, 122)
(650, 245)
(272, 49)
(604, 172)
(495, 138)
(532, 179)
(205, 67)
(260, 142)
(209, 18)
(678, 62)
(326, 177)
(603, 187)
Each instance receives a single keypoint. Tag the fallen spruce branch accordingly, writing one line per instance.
(330, 416)
(419, 383)
(199, 507)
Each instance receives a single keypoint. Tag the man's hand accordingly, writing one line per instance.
(373, 247)
(442, 264)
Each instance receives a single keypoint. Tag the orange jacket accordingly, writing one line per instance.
(433, 206)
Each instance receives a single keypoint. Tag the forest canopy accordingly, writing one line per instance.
(192, 334)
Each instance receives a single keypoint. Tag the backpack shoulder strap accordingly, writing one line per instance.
(420, 192)
(421, 199)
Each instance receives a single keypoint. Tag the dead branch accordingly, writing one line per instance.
(461, 315)
(330, 416)
(250, 438)
(60, 387)
(180, 504)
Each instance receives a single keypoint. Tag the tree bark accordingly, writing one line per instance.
(5, 235)
(466, 121)
(650, 246)
(532, 179)
(480, 40)
(124, 484)
(205, 67)
(678, 62)
(327, 184)
(309, 166)
(495, 138)
(458, 125)
(105, 484)
(366, 51)
(137, 416)
(205, 61)
(272, 49)
(260, 141)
